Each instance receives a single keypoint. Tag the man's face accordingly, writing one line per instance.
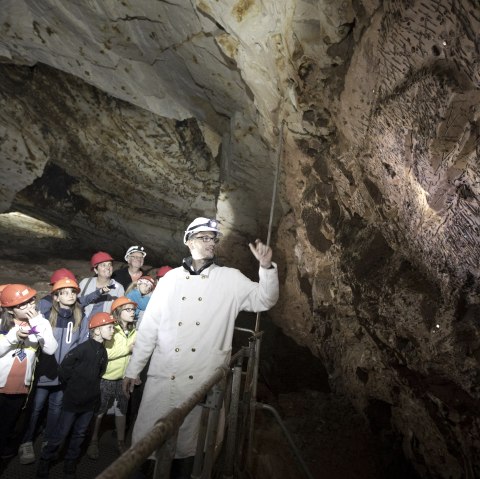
(135, 259)
(202, 245)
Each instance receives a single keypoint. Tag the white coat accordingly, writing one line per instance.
(188, 326)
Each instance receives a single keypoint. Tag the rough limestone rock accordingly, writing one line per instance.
(121, 121)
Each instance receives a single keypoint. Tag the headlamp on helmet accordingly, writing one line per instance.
(201, 224)
(135, 249)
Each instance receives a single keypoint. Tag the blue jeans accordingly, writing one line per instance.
(54, 394)
(78, 423)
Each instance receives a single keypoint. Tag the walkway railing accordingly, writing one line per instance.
(231, 387)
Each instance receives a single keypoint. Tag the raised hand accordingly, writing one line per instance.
(262, 252)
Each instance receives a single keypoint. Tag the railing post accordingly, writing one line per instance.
(214, 403)
(233, 420)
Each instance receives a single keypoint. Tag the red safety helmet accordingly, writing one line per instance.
(61, 273)
(163, 270)
(100, 319)
(121, 302)
(2, 287)
(100, 257)
(65, 283)
(146, 279)
(15, 294)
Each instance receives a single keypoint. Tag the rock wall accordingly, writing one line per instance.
(127, 119)
(384, 227)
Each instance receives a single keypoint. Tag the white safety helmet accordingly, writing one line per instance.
(135, 249)
(201, 224)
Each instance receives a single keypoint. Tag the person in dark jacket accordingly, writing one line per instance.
(70, 328)
(80, 372)
(135, 257)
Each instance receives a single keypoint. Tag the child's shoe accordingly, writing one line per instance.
(26, 454)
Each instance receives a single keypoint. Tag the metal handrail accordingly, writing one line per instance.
(162, 430)
(296, 451)
(239, 433)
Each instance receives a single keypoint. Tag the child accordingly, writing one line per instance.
(80, 372)
(22, 331)
(141, 292)
(45, 304)
(70, 329)
(119, 350)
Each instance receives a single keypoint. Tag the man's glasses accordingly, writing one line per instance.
(129, 309)
(26, 303)
(207, 239)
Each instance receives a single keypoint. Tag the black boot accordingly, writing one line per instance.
(182, 468)
(42, 468)
(69, 468)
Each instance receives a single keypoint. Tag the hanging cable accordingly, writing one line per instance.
(274, 195)
(253, 397)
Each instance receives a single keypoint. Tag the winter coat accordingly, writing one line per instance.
(104, 301)
(9, 345)
(80, 372)
(119, 353)
(187, 330)
(67, 339)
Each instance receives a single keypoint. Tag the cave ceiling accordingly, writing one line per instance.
(122, 121)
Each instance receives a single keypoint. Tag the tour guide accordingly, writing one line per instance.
(188, 325)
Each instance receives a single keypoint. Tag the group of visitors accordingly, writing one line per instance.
(84, 349)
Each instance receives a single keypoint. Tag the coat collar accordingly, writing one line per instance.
(187, 264)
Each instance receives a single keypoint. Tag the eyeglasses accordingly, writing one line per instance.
(207, 239)
(135, 256)
(26, 303)
(128, 309)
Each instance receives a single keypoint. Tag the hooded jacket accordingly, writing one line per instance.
(67, 339)
(41, 336)
(119, 352)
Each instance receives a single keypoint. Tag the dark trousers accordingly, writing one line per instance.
(54, 395)
(78, 423)
(182, 468)
(11, 407)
